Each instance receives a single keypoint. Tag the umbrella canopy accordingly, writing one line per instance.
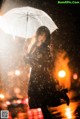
(24, 21)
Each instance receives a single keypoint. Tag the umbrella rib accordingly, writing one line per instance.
(27, 14)
(30, 16)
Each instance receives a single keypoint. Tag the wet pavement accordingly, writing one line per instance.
(61, 112)
(66, 112)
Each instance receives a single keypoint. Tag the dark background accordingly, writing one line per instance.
(67, 18)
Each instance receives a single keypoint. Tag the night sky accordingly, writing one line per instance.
(68, 21)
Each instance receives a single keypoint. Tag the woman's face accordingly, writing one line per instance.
(42, 38)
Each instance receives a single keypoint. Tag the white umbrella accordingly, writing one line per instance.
(24, 21)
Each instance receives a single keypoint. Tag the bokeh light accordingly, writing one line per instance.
(1, 96)
(68, 113)
(17, 72)
(75, 76)
(62, 73)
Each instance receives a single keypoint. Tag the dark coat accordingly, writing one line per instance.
(41, 86)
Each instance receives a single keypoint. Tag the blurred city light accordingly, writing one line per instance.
(39, 109)
(25, 101)
(1, 96)
(62, 73)
(75, 76)
(18, 101)
(68, 113)
(17, 72)
(8, 103)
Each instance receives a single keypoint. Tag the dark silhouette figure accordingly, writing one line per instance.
(41, 88)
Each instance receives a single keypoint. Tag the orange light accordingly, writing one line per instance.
(1, 96)
(75, 76)
(61, 73)
(8, 103)
(68, 113)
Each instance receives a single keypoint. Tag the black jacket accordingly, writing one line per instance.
(41, 85)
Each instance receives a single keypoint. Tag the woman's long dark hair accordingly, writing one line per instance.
(41, 30)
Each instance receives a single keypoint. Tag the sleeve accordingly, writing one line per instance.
(26, 46)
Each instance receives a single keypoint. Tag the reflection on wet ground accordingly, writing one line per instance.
(66, 112)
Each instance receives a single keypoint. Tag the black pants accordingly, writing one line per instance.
(46, 113)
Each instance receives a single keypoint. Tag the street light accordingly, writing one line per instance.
(62, 73)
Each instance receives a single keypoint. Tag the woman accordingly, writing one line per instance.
(41, 88)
